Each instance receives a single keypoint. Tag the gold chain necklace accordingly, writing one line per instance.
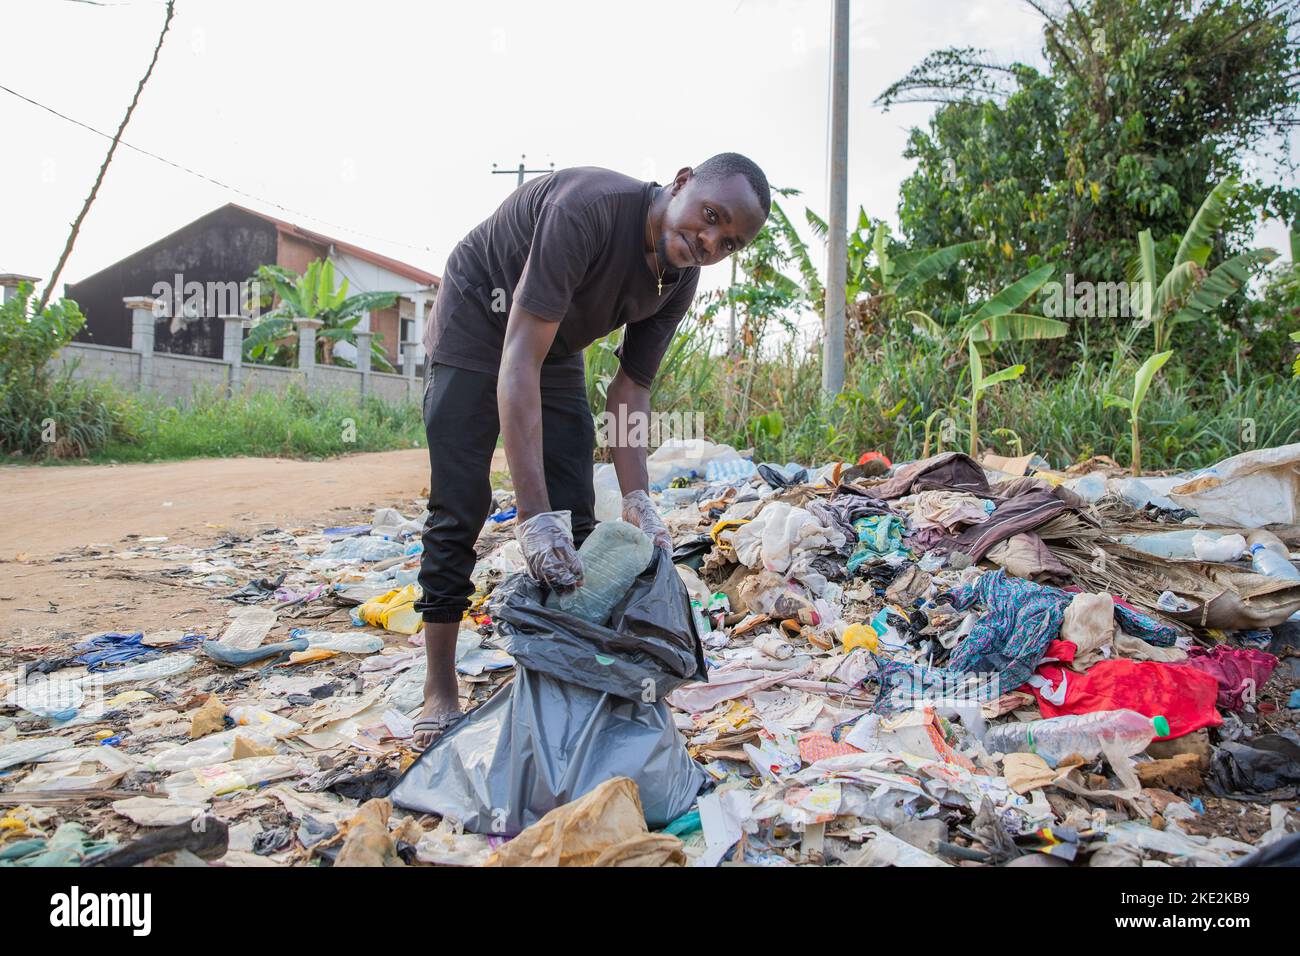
(654, 252)
(660, 280)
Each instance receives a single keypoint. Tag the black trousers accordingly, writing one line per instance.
(461, 424)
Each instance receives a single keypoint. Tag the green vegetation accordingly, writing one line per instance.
(101, 423)
(47, 413)
(1141, 383)
(312, 295)
(1142, 107)
(1149, 120)
(903, 392)
(296, 424)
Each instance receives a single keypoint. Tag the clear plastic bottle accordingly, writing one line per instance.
(247, 715)
(1267, 561)
(1126, 731)
(612, 557)
(343, 643)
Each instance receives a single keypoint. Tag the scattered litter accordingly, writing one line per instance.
(934, 663)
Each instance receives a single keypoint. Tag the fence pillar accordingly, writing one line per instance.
(307, 346)
(232, 350)
(408, 369)
(363, 359)
(143, 311)
(9, 282)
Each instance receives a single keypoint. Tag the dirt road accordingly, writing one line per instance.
(48, 589)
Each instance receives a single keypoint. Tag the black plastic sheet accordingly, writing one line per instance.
(586, 705)
(1267, 764)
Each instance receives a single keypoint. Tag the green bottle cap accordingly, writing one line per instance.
(1161, 725)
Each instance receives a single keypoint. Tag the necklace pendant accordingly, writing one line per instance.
(661, 286)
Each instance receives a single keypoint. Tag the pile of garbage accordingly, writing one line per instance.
(942, 662)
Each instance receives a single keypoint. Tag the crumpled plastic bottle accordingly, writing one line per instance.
(613, 555)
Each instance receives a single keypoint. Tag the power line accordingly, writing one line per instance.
(213, 181)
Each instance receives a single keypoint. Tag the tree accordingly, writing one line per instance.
(313, 296)
(1144, 105)
(1141, 382)
(1183, 291)
(981, 329)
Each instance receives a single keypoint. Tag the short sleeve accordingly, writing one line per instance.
(562, 250)
(645, 342)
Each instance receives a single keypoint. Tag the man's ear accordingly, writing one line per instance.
(681, 179)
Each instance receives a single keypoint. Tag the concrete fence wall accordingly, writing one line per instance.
(176, 377)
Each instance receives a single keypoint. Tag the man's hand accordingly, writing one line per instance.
(546, 540)
(639, 510)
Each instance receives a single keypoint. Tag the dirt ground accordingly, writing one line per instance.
(57, 573)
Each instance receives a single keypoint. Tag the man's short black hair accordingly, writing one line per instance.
(724, 165)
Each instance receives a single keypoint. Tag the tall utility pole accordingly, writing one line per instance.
(731, 325)
(520, 171)
(837, 220)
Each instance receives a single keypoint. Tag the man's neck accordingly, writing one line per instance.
(654, 218)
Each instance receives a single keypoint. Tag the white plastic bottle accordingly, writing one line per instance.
(1266, 561)
(247, 715)
(1122, 731)
(612, 557)
(343, 643)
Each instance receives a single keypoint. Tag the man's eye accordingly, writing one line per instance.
(731, 246)
(710, 214)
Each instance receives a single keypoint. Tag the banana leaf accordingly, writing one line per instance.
(1196, 243)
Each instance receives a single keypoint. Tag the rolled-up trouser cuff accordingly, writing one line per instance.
(441, 615)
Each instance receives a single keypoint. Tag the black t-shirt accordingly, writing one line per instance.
(569, 247)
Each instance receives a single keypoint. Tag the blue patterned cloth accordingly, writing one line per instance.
(1020, 619)
(878, 537)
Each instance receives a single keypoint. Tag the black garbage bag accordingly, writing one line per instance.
(1267, 764)
(1285, 852)
(649, 647)
(587, 704)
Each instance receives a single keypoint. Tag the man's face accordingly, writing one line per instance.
(707, 220)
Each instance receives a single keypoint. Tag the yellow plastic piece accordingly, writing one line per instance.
(860, 635)
(394, 611)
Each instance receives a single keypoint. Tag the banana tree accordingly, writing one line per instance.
(991, 323)
(313, 295)
(979, 384)
(1184, 291)
(876, 273)
(1141, 382)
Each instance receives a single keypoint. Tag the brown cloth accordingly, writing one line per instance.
(951, 470)
(1015, 516)
(1026, 556)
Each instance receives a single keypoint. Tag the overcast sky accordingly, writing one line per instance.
(377, 122)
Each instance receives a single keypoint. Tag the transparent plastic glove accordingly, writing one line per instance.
(639, 510)
(546, 540)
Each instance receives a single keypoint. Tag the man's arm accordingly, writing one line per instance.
(519, 406)
(629, 403)
(545, 537)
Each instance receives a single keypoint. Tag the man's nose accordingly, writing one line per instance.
(708, 241)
